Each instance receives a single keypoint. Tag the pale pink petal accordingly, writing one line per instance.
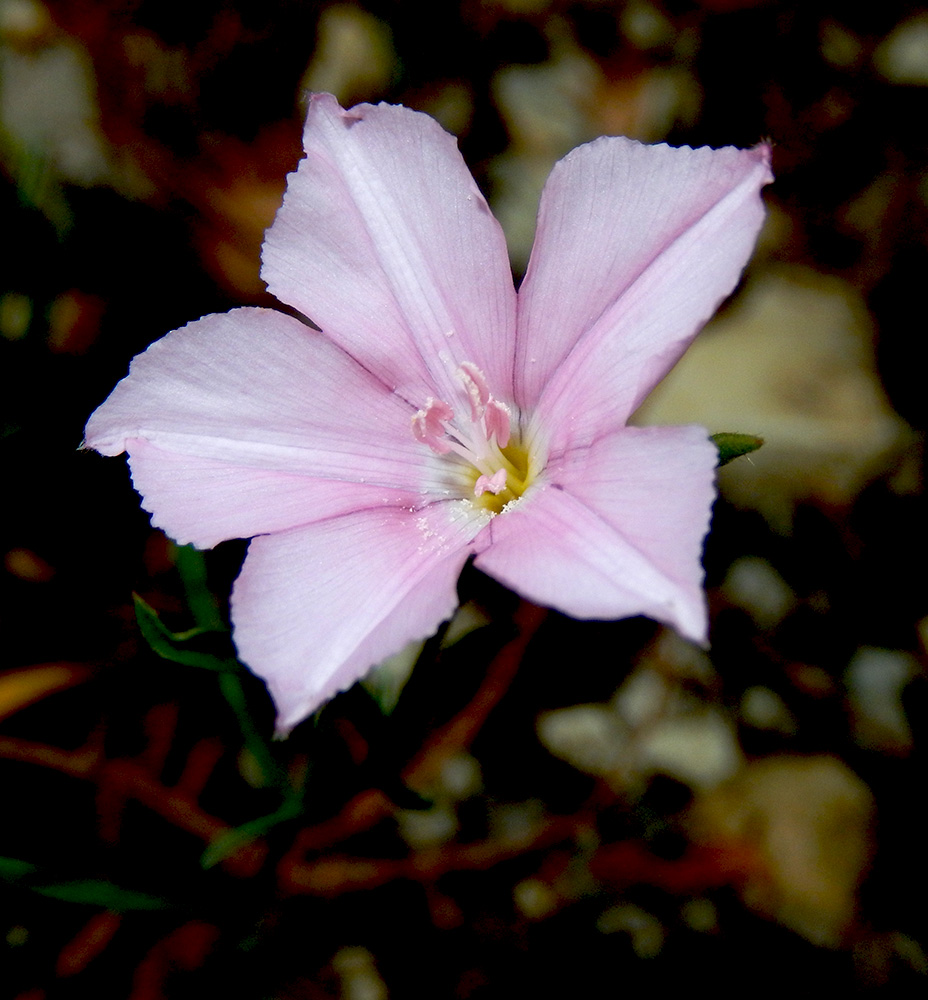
(614, 530)
(636, 247)
(386, 243)
(203, 502)
(316, 607)
(257, 389)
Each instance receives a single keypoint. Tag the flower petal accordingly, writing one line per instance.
(203, 502)
(316, 607)
(636, 247)
(385, 241)
(256, 390)
(616, 530)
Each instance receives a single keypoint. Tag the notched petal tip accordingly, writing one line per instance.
(384, 239)
(326, 103)
(763, 152)
(689, 221)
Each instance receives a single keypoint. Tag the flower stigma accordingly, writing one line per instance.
(490, 465)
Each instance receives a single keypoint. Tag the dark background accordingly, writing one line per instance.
(755, 824)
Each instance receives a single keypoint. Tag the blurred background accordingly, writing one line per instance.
(545, 807)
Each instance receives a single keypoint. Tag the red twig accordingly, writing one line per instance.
(460, 732)
(372, 806)
(89, 942)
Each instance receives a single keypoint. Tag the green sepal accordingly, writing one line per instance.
(732, 446)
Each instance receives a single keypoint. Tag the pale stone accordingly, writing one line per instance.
(902, 57)
(589, 737)
(803, 824)
(875, 679)
(765, 709)
(793, 362)
(754, 585)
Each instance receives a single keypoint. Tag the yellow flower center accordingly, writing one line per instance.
(516, 461)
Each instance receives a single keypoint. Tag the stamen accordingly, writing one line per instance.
(475, 385)
(497, 422)
(428, 425)
(482, 451)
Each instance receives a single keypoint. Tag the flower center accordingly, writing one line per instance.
(490, 464)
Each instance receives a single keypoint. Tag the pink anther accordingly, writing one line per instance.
(428, 425)
(475, 385)
(497, 422)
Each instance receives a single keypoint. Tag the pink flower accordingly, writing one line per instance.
(439, 414)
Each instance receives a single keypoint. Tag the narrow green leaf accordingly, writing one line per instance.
(234, 693)
(171, 645)
(95, 892)
(247, 832)
(98, 892)
(732, 446)
(13, 868)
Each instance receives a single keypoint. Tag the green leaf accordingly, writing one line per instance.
(98, 892)
(732, 446)
(94, 892)
(173, 645)
(247, 832)
(232, 690)
(13, 868)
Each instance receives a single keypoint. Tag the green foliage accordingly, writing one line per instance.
(223, 846)
(14, 868)
(190, 648)
(178, 647)
(191, 566)
(99, 892)
(91, 892)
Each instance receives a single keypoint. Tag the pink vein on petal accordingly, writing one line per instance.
(623, 523)
(317, 606)
(385, 241)
(613, 296)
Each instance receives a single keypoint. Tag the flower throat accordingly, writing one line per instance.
(495, 467)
